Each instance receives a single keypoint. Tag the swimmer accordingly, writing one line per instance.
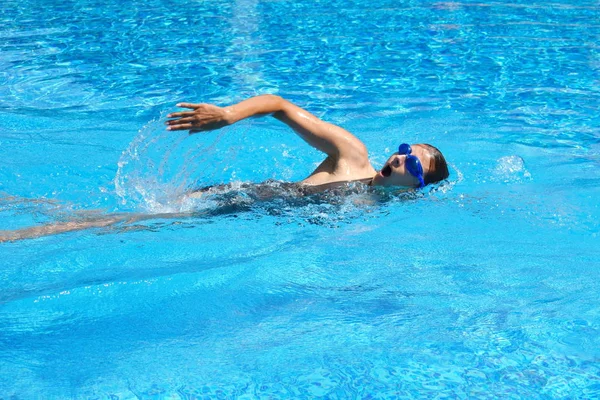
(413, 166)
(347, 161)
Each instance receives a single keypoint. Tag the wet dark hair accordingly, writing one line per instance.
(438, 168)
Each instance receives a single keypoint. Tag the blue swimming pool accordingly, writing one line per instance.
(484, 287)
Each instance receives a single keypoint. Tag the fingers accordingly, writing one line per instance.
(184, 120)
(180, 127)
(180, 121)
(180, 124)
(188, 105)
(181, 114)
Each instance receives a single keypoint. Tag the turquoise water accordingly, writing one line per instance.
(484, 287)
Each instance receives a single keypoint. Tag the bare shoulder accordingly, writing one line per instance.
(341, 169)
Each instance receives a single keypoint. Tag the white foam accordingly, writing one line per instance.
(510, 169)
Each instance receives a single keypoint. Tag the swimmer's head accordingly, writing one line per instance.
(402, 168)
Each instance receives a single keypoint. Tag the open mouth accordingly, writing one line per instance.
(386, 171)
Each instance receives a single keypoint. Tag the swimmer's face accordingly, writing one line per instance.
(394, 172)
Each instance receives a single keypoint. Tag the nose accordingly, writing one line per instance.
(396, 162)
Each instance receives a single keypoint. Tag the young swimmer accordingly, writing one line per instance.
(347, 159)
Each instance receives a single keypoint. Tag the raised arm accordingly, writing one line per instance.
(330, 139)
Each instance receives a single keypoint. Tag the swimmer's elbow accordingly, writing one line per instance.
(361, 154)
(276, 103)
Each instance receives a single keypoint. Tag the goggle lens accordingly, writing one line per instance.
(404, 148)
(412, 163)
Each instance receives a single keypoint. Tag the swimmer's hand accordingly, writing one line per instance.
(203, 117)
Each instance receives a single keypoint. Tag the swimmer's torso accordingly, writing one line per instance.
(330, 174)
(271, 189)
(340, 171)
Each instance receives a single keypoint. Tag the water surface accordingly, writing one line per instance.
(484, 287)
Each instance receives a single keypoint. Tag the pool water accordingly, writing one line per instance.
(483, 287)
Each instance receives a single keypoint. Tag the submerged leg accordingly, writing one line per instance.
(84, 219)
(61, 227)
(89, 223)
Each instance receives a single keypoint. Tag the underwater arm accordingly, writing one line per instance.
(328, 138)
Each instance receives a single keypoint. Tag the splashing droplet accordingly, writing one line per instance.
(511, 169)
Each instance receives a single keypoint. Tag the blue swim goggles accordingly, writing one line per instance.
(412, 163)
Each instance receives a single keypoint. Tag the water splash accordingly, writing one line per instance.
(511, 169)
(160, 168)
